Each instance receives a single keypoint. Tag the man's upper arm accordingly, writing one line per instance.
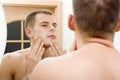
(6, 68)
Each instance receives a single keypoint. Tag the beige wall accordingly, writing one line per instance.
(29, 1)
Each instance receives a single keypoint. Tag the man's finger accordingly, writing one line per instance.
(35, 48)
(39, 56)
(40, 51)
(55, 50)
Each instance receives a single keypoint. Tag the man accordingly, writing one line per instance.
(94, 23)
(40, 28)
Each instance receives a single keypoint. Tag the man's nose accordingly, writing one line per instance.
(52, 28)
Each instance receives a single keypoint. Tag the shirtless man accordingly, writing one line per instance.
(41, 30)
(94, 23)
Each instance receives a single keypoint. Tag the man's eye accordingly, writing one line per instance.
(55, 26)
(44, 25)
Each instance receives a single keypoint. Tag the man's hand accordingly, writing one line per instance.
(55, 50)
(35, 55)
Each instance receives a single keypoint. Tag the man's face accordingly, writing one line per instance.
(45, 28)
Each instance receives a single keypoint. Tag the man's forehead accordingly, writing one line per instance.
(46, 18)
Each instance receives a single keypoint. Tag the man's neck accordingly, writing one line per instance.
(104, 42)
(46, 53)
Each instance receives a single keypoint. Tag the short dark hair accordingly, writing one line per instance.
(30, 19)
(96, 18)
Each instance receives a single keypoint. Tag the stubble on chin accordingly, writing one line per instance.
(46, 43)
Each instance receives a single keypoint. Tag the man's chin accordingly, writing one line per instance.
(47, 45)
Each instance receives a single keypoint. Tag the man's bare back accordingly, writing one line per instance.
(94, 61)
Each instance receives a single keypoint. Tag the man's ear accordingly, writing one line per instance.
(118, 25)
(71, 22)
(29, 32)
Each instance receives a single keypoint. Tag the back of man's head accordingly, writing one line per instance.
(96, 18)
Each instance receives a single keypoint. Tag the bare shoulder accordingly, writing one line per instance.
(13, 57)
(10, 63)
(10, 58)
(47, 66)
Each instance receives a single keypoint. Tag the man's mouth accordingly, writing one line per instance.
(52, 36)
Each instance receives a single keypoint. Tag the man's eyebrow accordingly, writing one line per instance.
(55, 23)
(44, 22)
